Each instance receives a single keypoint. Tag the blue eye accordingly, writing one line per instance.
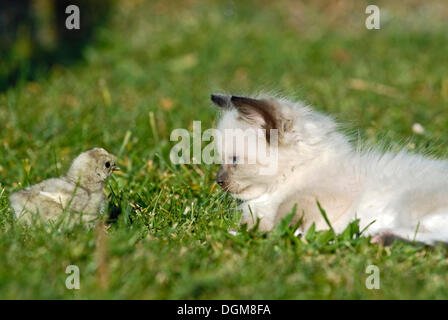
(234, 160)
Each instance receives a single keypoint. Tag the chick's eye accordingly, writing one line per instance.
(107, 164)
(234, 160)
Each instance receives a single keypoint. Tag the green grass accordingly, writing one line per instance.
(171, 240)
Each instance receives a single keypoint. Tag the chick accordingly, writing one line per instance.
(81, 190)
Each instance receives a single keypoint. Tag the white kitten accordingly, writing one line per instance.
(404, 195)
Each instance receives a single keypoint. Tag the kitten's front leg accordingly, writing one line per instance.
(252, 211)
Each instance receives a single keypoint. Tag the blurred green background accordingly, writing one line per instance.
(33, 36)
(139, 69)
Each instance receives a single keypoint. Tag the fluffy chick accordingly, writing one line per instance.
(81, 190)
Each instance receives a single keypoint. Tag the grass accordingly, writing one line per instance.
(151, 71)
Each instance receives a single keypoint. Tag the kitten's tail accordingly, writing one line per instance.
(411, 236)
(432, 238)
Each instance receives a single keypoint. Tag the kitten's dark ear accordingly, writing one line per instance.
(261, 112)
(221, 100)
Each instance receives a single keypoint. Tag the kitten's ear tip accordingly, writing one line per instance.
(221, 100)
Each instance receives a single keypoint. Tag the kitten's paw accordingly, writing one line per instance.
(249, 221)
(265, 225)
(262, 223)
(253, 216)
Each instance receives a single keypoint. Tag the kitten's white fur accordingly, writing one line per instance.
(404, 194)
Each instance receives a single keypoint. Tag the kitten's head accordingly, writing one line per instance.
(252, 131)
(296, 138)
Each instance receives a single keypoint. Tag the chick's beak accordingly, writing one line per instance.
(116, 168)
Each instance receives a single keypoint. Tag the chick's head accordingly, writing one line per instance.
(91, 168)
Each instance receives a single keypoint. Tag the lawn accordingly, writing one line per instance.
(151, 70)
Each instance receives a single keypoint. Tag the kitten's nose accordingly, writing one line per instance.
(221, 177)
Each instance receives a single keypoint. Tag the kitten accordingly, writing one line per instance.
(81, 190)
(400, 195)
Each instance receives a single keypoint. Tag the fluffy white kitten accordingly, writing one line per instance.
(404, 195)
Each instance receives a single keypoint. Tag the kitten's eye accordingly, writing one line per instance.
(107, 164)
(234, 160)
